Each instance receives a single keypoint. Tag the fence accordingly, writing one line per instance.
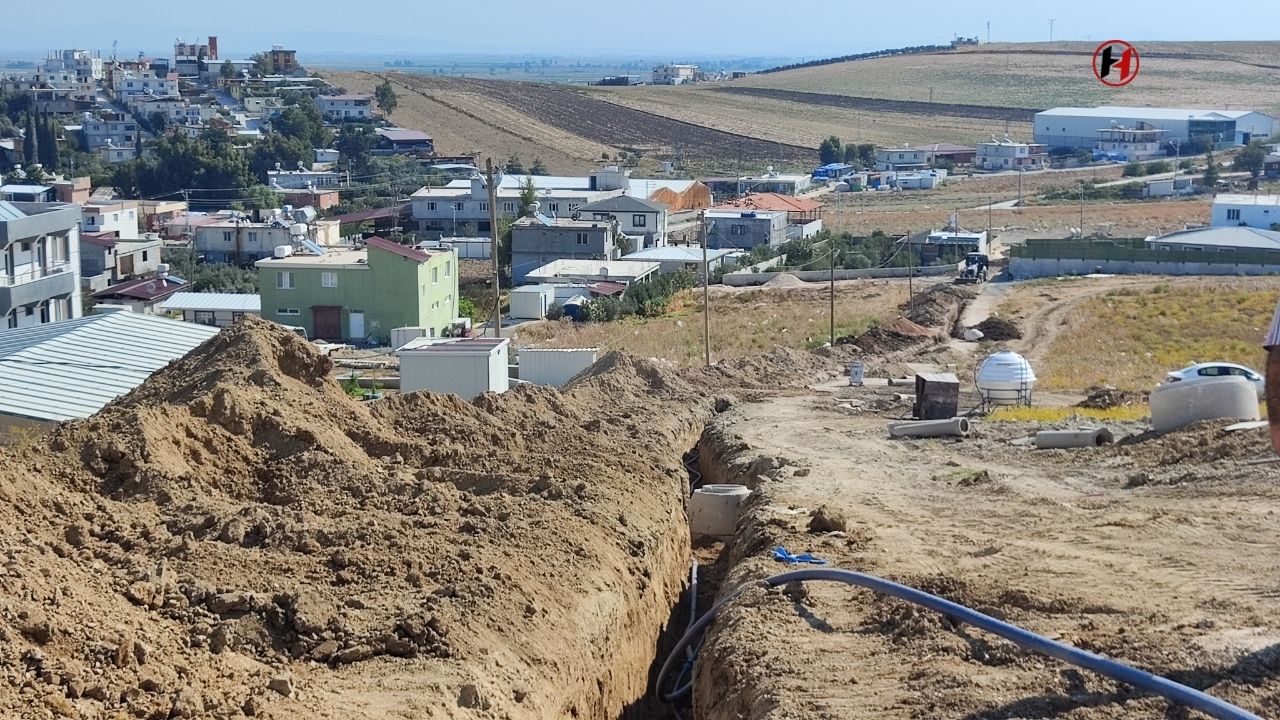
(1044, 258)
(742, 279)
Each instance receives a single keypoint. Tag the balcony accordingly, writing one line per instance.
(32, 286)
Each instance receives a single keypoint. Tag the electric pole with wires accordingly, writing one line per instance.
(493, 248)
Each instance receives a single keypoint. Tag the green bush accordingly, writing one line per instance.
(1155, 167)
(1133, 169)
(555, 312)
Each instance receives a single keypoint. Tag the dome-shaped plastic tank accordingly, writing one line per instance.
(1005, 378)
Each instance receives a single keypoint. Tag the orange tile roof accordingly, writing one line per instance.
(774, 201)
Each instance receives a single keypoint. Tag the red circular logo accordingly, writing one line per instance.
(1115, 63)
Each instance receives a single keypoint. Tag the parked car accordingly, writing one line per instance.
(1201, 371)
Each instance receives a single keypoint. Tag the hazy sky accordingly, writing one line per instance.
(810, 28)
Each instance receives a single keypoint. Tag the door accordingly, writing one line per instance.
(126, 266)
(356, 321)
(326, 322)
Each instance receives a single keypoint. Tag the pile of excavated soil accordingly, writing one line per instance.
(1203, 443)
(1107, 397)
(999, 329)
(938, 307)
(238, 537)
(785, 280)
(896, 335)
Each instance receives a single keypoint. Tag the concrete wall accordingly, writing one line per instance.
(1026, 268)
(743, 279)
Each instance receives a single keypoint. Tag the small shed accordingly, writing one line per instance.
(216, 309)
(530, 302)
(937, 396)
(554, 366)
(466, 367)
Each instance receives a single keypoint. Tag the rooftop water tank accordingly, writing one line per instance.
(1005, 378)
(283, 251)
(298, 230)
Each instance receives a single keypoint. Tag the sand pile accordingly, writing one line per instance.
(785, 280)
(1107, 397)
(239, 537)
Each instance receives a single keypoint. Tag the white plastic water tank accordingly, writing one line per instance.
(1178, 404)
(1005, 378)
(282, 251)
(713, 509)
(298, 230)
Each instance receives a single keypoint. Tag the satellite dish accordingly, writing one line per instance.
(604, 272)
(151, 287)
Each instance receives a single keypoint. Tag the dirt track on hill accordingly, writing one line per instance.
(985, 112)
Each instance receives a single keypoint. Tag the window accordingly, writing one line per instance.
(253, 236)
(228, 236)
(26, 247)
(484, 207)
(287, 311)
(284, 280)
(204, 317)
(459, 206)
(448, 267)
(638, 220)
(582, 238)
(1233, 214)
(237, 317)
(555, 207)
(509, 207)
(573, 206)
(144, 256)
(435, 275)
(329, 279)
(737, 229)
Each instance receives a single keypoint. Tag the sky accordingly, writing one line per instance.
(675, 28)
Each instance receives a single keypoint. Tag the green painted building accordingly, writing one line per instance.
(359, 294)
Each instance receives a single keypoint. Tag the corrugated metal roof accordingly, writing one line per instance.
(1249, 238)
(233, 302)
(1120, 111)
(9, 212)
(25, 189)
(675, 253)
(71, 369)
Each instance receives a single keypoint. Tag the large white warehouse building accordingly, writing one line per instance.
(1078, 127)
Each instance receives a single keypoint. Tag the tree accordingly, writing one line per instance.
(385, 94)
(304, 122)
(1133, 168)
(355, 143)
(52, 155)
(514, 166)
(159, 121)
(261, 64)
(528, 196)
(538, 168)
(44, 141)
(30, 144)
(228, 71)
(180, 162)
(261, 197)
(1211, 166)
(1251, 159)
(829, 151)
(275, 149)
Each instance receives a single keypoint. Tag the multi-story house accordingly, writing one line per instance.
(86, 65)
(361, 294)
(39, 263)
(300, 179)
(538, 241)
(905, 158)
(737, 229)
(674, 74)
(636, 217)
(1009, 155)
(346, 107)
(237, 240)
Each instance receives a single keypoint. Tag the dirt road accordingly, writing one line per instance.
(1160, 554)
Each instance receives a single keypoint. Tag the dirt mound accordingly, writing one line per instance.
(1107, 397)
(217, 537)
(896, 335)
(785, 280)
(938, 306)
(999, 329)
(1199, 444)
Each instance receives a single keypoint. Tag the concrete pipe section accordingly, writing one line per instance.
(955, 427)
(1057, 439)
(713, 509)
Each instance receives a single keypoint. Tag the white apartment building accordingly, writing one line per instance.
(674, 74)
(39, 263)
(86, 65)
(1255, 211)
(346, 107)
(1008, 155)
(118, 216)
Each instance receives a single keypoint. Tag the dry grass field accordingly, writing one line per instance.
(743, 322)
(1043, 75)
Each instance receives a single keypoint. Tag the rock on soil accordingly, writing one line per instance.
(827, 519)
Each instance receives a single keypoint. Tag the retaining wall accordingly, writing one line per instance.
(743, 279)
(1021, 268)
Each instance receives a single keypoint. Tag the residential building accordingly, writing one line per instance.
(312, 197)
(235, 239)
(622, 272)
(112, 129)
(538, 241)
(769, 182)
(115, 216)
(733, 229)
(39, 263)
(130, 86)
(176, 110)
(142, 294)
(905, 158)
(1009, 155)
(361, 294)
(86, 65)
(158, 214)
(282, 61)
(951, 242)
(642, 219)
(465, 367)
(1130, 143)
(958, 154)
(27, 193)
(1256, 211)
(1218, 239)
(674, 74)
(73, 190)
(301, 179)
(264, 106)
(346, 107)
(1077, 127)
(57, 372)
(804, 216)
(107, 260)
(216, 309)
(675, 258)
(396, 141)
(196, 51)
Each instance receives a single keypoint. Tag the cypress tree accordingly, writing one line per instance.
(55, 158)
(30, 145)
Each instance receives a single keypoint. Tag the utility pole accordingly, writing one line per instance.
(930, 93)
(988, 32)
(990, 202)
(493, 248)
(1081, 208)
(1019, 189)
(833, 291)
(706, 291)
(1050, 29)
(911, 273)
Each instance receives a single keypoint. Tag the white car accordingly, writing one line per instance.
(1201, 371)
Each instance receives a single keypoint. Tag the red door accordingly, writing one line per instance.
(326, 322)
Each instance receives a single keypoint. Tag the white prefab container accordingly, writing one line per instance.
(1178, 404)
(530, 302)
(401, 336)
(465, 368)
(554, 366)
(1005, 378)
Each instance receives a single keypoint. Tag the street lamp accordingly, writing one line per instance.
(1177, 156)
